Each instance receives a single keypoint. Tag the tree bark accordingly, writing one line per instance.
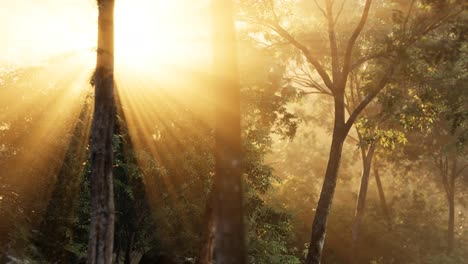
(319, 225)
(101, 234)
(128, 249)
(383, 201)
(208, 236)
(451, 223)
(228, 191)
(361, 203)
(451, 201)
(341, 128)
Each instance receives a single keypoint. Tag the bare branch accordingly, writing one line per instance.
(353, 139)
(272, 8)
(316, 92)
(268, 45)
(309, 83)
(405, 23)
(275, 26)
(364, 59)
(458, 173)
(339, 11)
(352, 41)
(307, 54)
(333, 43)
(309, 80)
(320, 8)
(255, 21)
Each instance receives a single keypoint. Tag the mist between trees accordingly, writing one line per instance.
(326, 131)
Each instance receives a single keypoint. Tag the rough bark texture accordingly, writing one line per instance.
(319, 225)
(367, 156)
(101, 236)
(228, 203)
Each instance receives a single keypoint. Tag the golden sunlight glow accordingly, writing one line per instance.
(158, 44)
(35, 30)
(152, 33)
(41, 108)
(147, 32)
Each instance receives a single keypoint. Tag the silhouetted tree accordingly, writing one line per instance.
(101, 232)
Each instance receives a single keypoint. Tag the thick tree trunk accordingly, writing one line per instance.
(101, 234)
(383, 201)
(228, 201)
(361, 203)
(319, 225)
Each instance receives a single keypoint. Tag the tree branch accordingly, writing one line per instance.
(351, 42)
(405, 23)
(320, 8)
(457, 174)
(339, 11)
(275, 26)
(333, 45)
(309, 83)
(307, 54)
(371, 57)
(434, 25)
(363, 104)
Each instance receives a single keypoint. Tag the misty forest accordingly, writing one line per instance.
(234, 131)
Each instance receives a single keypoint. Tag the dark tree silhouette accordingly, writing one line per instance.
(101, 233)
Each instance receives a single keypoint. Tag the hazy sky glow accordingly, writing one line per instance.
(175, 31)
(162, 54)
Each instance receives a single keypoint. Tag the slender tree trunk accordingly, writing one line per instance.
(451, 201)
(228, 201)
(451, 223)
(101, 234)
(319, 225)
(383, 201)
(128, 249)
(208, 236)
(361, 203)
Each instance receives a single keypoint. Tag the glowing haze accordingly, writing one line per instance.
(162, 47)
(146, 31)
